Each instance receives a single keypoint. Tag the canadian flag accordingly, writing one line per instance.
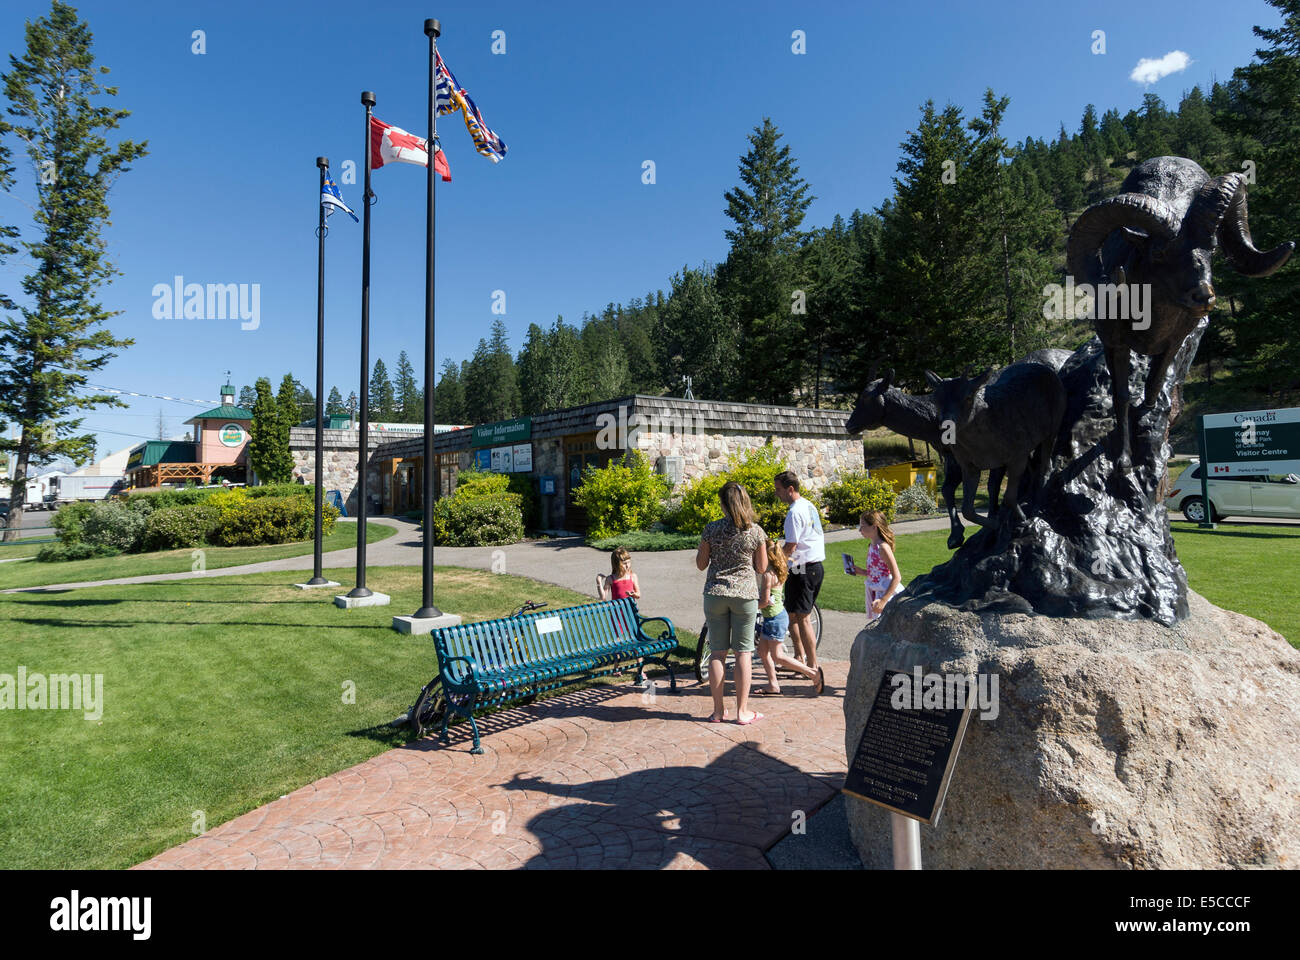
(389, 144)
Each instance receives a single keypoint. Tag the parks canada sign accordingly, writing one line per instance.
(1253, 442)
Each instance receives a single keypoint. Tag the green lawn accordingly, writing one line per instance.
(1251, 569)
(220, 695)
(29, 573)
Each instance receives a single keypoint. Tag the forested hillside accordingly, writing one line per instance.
(952, 266)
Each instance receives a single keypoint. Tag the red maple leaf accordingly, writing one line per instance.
(401, 139)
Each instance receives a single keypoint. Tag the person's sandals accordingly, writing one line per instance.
(764, 692)
(821, 682)
(754, 719)
(713, 719)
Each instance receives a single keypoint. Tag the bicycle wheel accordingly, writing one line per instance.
(429, 708)
(702, 655)
(815, 621)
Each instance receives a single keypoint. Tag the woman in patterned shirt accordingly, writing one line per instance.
(733, 550)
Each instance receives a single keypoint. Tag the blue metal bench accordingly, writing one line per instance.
(512, 659)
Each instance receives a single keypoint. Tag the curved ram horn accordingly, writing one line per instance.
(1205, 215)
(1234, 236)
(1134, 210)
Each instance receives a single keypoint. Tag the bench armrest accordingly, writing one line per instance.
(469, 677)
(642, 621)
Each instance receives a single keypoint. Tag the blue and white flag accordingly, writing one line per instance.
(330, 198)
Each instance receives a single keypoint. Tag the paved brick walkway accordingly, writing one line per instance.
(606, 777)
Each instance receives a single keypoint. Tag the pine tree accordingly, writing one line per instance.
(383, 399)
(334, 404)
(409, 397)
(287, 399)
(1266, 311)
(268, 443)
(449, 395)
(353, 406)
(757, 278)
(550, 368)
(247, 397)
(58, 337)
(491, 382)
(697, 338)
(604, 361)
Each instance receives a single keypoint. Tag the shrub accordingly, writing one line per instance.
(115, 525)
(916, 499)
(228, 503)
(845, 499)
(173, 527)
(57, 552)
(160, 499)
(621, 496)
(267, 520)
(69, 522)
(280, 490)
(755, 471)
(477, 521)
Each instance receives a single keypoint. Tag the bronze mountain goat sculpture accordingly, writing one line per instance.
(998, 421)
(1160, 232)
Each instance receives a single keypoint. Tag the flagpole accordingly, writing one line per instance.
(432, 29)
(363, 487)
(317, 580)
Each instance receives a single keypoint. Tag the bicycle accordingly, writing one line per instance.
(431, 705)
(702, 647)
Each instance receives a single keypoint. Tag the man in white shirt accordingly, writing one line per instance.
(805, 549)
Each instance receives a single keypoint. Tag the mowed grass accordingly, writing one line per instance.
(1251, 569)
(220, 695)
(30, 573)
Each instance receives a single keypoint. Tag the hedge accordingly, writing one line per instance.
(269, 520)
(853, 493)
(756, 471)
(477, 521)
(621, 497)
(174, 527)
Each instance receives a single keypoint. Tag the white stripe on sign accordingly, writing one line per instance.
(549, 625)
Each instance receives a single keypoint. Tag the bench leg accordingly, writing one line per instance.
(640, 671)
(477, 749)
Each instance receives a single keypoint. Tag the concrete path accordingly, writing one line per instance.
(670, 584)
(600, 778)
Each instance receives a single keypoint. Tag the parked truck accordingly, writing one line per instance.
(69, 489)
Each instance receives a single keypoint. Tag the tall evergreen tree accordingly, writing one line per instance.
(334, 404)
(757, 278)
(604, 361)
(491, 381)
(697, 338)
(58, 336)
(449, 395)
(550, 367)
(268, 442)
(247, 397)
(409, 397)
(1266, 327)
(383, 399)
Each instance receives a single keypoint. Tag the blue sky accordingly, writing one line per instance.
(583, 95)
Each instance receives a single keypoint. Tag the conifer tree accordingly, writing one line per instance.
(409, 398)
(56, 109)
(268, 443)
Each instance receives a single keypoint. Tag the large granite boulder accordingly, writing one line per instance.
(1118, 743)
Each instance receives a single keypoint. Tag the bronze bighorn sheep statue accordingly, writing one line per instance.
(997, 421)
(1160, 231)
(883, 405)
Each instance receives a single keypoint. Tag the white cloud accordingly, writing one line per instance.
(1149, 71)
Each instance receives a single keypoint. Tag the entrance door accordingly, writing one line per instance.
(403, 485)
(580, 452)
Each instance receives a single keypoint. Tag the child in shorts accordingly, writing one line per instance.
(883, 577)
(775, 623)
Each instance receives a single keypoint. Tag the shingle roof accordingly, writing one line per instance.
(223, 412)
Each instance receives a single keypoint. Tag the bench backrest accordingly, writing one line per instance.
(497, 645)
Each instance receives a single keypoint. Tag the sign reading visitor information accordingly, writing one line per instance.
(1253, 443)
(521, 456)
(503, 431)
(906, 756)
(232, 435)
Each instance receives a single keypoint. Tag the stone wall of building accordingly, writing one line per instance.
(340, 460)
(816, 460)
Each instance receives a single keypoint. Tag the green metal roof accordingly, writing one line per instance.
(153, 452)
(223, 412)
